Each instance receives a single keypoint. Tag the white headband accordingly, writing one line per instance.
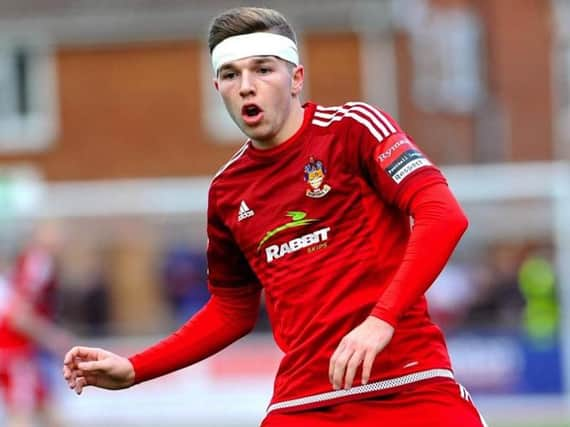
(254, 44)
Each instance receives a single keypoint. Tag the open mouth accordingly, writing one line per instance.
(251, 110)
(251, 114)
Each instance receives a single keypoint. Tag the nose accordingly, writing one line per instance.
(247, 86)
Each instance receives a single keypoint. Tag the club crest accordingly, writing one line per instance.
(315, 174)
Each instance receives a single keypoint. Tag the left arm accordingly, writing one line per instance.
(439, 223)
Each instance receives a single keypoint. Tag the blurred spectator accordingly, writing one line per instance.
(537, 278)
(499, 302)
(184, 280)
(95, 305)
(28, 329)
(85, 286)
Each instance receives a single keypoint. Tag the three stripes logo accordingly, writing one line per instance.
(400, 159)
(464, 393)
(466, 396)
(244, 211)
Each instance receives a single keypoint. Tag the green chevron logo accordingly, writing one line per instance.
(297, 220)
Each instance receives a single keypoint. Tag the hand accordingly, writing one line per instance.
(87, 366)
(360, 346)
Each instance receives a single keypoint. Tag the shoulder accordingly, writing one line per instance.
(230, 165)
(358, 116)
(227, 178)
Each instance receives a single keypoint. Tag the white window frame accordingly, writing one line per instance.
(446, 48)
(561, 77)
(379, 70)
(218, 123)
(36, 128)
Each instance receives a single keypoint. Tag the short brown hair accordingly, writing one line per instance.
(245, 20)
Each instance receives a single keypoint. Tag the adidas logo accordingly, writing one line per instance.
(244, 211)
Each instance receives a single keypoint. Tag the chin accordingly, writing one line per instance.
(257, 134)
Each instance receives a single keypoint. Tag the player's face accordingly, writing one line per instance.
(261, 93)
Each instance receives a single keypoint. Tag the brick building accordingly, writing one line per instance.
(130, 92)
(98, 91)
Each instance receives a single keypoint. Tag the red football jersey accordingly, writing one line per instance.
(33, 280)
(321, 223)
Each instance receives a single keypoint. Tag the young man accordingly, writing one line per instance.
(315, 209)
(27, 329)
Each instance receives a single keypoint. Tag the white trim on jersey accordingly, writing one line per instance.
(363, 389)
(375, 115)
(236, 156)
(466, 396)
(359, 119)
(342, 111)
(363, 113)
(376, 112)
(464, 393)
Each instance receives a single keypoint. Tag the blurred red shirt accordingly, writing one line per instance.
(33, 280)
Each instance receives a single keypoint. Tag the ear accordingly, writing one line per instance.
(216, 84)
(297, 80)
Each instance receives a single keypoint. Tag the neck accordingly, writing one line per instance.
(291, 125)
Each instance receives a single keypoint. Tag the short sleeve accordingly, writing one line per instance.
(390, 160)
(228, 270)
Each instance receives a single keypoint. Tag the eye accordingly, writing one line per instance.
(264, 70)
(228, 75)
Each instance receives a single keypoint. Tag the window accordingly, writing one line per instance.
(446, 47)
(379, 71)
(27, 96)
(215, 117)
(562, 77)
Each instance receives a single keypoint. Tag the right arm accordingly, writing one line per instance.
(230, 314)
(223, 320)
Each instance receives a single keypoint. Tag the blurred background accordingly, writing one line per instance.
(110, 127)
